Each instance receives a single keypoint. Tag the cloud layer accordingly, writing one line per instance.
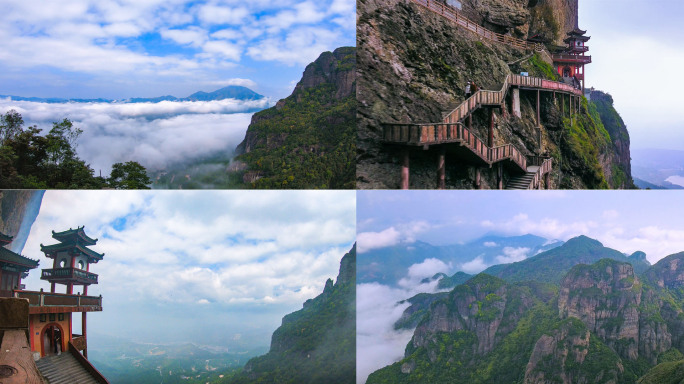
(156, 135)
(109, 42)
(228, 252)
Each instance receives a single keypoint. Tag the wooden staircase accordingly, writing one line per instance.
(523, 181)
(64, 369)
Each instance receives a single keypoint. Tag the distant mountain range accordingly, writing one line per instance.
(657, 168)
(388, 265)
(578, 313)
(230, 92)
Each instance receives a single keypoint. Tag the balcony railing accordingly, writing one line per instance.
(572, 58)
(48, 299)
(69, 274)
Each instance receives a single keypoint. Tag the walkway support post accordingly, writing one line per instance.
(441, 169)
(538, 112)
(516, 102)
(405, 169)
(490, 139)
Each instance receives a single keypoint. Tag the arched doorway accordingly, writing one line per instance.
(51, 340)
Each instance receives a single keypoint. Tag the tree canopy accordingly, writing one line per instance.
(30, 160)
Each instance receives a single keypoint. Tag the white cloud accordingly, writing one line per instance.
(223, 49)
(155, 134)
(194, 36)
(301, 45)
(490, 244)
(377, 343)
(546, 227)
(511, 255)
(222, 15)
(372, 240)
(475, 265)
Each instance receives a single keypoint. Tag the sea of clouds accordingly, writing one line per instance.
(157, 135)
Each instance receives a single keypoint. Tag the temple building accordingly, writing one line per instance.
(570, 62)
(13, 267)
(60, 354)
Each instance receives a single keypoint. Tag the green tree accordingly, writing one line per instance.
(130, 175)
(11, 123)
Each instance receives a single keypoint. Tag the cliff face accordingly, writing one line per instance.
(316, 344)
(413, 66)
(18, 211)
(306, 140)
(524, 18)
(604, 324)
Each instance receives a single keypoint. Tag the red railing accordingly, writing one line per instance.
(48, 299)
(571, 58)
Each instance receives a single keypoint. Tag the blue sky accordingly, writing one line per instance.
(145, 48)
(637, 53)
(628, 221)
(221, 265)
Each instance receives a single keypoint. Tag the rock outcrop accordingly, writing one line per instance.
(307, 140)
(18, 211)
(604, 324)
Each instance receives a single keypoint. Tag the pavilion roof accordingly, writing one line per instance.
(74, 235)
(9, 257)
(93, 256)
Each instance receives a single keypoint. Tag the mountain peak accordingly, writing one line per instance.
(583, 241)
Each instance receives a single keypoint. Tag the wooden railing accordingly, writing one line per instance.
(545, 165)
(48, 299)
(68, 273)
(455, 16)
(481, 98)
(442, 133)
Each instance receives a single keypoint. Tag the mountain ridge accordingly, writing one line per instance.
(229, 92)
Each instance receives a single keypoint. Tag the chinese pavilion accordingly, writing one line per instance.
(13, 267)
(571, 61)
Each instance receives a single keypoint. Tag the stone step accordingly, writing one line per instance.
(64, 369)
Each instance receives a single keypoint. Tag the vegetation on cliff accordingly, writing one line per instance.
(316, 344)
(308, 139)
(607, 322)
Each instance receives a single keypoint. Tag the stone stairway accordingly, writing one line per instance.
(523, 181)
(64, 369)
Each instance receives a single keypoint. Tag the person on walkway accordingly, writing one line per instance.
(467, 91)
(474, 88)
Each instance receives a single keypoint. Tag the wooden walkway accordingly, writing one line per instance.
(451, 129)
(453, 15)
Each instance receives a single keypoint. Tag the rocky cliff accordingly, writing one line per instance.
(18, 211)
(604, 324)
(306, 140)
(413, 66)
(316, 344)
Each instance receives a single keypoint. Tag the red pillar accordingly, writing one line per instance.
(441, 170)
(85, 333)
(538, 112)
(405, 170)
(52, 287)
